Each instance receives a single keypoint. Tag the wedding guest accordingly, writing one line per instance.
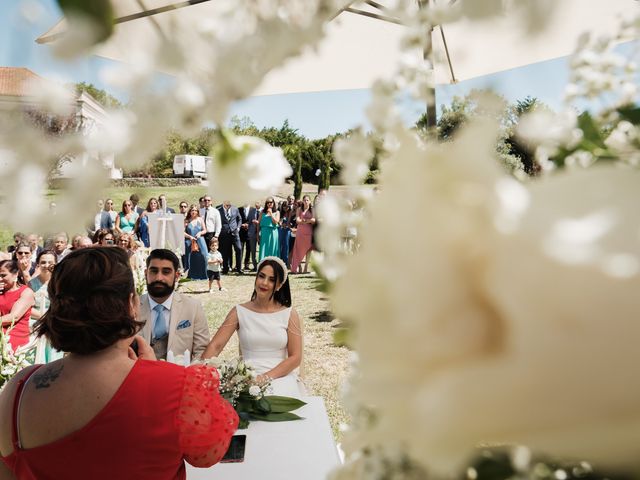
(103, 218)
(107, 239)
(16, 301)
(195, 246)
(305, 220)
(174, 321)
(182, 208)
(268, 222)
(33, 239)
(253, 222)
(135, 200)
(142, 224)
(268, 329)
(127, 243)
(214, 265)
(284, 232)
(244, 233)
(162, 202)
(18, 237)
(108, 207)
(212, 221)
(39, 283)
(293, 227)
(230, 237)
(84, 242)
(61, 245)
(75, 241)
(149, 416)
(45, 353)
(22, 256)
(100, 234)
(126, 219)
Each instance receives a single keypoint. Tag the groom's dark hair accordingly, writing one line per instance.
(164, 254)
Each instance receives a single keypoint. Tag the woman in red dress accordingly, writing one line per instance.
(103, 412)
(305, 219)
(16, 300)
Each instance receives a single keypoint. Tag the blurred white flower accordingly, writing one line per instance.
(546, 128)
(503, 309)
(255, 391)
(246, 167)
(354, 153)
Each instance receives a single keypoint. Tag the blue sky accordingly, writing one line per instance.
(313, 114)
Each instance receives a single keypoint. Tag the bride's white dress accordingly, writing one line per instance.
(263, 343)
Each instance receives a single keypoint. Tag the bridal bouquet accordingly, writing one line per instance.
(239, 387)
(11, 362)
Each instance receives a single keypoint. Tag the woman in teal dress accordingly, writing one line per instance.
(46, 261)
(269, 220)
(126, 219)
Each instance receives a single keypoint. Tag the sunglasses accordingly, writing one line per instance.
(23, 253)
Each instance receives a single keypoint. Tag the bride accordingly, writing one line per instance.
(268, 330)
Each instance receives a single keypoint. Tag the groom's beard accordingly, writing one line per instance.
(160, 289)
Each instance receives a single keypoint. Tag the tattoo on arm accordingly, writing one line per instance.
(46, 378)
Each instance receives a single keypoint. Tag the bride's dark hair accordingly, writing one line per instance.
(283, 295)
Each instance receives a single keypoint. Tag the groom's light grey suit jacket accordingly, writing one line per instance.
(188, 328)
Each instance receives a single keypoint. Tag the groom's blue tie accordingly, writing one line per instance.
(159, 327)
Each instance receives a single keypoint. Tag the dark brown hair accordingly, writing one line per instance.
(12, 266)
(282, 296)
(90, 291)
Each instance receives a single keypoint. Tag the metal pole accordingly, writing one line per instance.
(428, 57)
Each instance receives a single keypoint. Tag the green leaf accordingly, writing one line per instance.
(591, 131)
(244, 420)
(262, 406)
(276, 417)
(100, 12)
(281, 404)
(631, 114)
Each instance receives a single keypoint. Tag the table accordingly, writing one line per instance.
(301, 449)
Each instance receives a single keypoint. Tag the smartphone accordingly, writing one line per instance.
(235, 453)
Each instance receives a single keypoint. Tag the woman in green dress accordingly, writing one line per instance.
(269, 220)
(46, 261)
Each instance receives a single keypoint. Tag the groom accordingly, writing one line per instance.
(172, 321)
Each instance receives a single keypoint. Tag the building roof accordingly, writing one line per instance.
(16, 81)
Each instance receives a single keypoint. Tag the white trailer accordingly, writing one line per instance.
(191, 166)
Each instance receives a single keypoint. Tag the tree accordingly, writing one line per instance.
(515, 146)
(512, 151)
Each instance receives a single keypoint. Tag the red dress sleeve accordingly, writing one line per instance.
(206, 422)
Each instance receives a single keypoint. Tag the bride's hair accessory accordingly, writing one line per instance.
(279, 261)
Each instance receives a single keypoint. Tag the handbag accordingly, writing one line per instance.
(194, 246)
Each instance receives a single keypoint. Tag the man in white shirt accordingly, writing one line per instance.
(212, 221)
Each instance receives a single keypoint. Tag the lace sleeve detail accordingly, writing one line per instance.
(205, 420)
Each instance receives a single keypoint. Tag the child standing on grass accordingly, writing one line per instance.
(214, 260)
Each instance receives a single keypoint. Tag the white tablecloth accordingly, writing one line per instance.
(301, 449)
